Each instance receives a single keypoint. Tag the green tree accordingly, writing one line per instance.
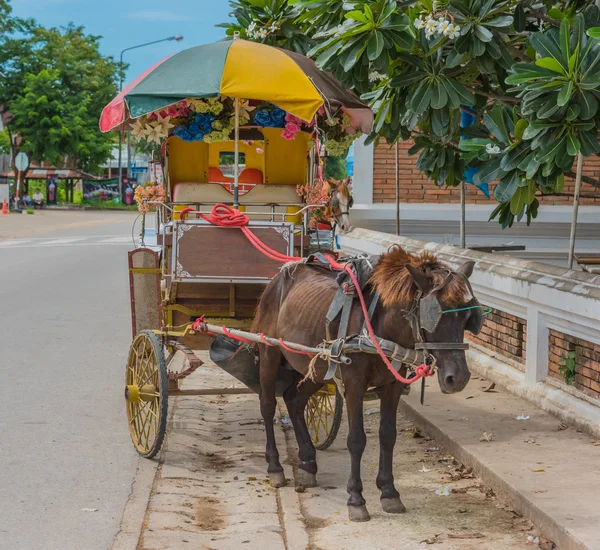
(529, 73)
(55, 83)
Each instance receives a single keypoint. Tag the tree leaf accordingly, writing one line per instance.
(439, 97)
(573, 145)
(483, 34)
(499, 22)
(544, 45)
(520, 127)
(490, 171)
(507, 187)
(357, 15)
(403, 80)
(473, 144)
(375, 46)
(588, 104)
(422, 100)
(496, 123)
(565, 35)
(520, 18)
(551, 64)
(593, 32)
(565, 94)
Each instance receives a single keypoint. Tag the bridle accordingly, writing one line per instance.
(425, 316)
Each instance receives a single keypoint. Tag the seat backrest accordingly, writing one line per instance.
(251, 175)
(271, 194)
(200, 192)
(216, 176)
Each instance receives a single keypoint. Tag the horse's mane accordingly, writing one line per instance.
(395, 285)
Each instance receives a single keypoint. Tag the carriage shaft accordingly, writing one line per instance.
(323, 352)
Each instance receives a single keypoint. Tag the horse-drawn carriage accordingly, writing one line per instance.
(241, 127)
(251, 141)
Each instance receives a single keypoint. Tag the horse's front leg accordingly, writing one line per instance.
(270, 360)
(390, 498)
(357, 441)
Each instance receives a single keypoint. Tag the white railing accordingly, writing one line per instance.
(546, 296)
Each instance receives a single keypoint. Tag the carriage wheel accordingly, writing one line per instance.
(146, 393)
(323, 415)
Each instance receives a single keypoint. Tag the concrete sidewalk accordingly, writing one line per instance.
(210, 489)
(545, 470)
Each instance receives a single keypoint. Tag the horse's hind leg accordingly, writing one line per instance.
(296, 399)
(390, 498)
(357, 441)
(270, 360)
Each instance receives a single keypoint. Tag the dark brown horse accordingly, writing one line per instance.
(294, 306)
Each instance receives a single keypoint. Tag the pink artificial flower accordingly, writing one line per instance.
(152, 116)
(288, 135)
(292, 127)
(259, 151)
(321, 110)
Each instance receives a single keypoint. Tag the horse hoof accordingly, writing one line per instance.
(306, 479)
(392, 506)
(277, 479)
(358, 513)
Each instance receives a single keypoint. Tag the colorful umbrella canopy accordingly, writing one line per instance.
(241, 69)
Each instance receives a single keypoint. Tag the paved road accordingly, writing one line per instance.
(64, 337)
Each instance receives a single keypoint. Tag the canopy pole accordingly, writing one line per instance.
(236, 155)
(463, 238)
(575, 210)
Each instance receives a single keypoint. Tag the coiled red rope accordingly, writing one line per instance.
(223, 215)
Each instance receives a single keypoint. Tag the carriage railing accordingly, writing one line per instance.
(163, 207)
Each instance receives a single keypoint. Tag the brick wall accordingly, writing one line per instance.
(587, 361)
(414, 186)
(505, 334)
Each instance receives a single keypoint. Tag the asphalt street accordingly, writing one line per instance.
(66, 460)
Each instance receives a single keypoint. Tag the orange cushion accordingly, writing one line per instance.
(216, 176)
(251, 175)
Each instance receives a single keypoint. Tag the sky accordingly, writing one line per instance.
(126, 23)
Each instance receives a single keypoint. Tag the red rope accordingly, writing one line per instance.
(223, 215)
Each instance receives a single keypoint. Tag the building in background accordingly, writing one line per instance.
(430, 213)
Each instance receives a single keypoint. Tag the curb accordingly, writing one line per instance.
(134, 513)
(547, 525)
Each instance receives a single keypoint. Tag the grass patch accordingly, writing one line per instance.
(30, 211)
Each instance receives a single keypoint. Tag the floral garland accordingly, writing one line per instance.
(213, 119)
(148, 193)
(316, 193)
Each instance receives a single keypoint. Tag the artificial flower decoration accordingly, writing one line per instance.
(139, 127)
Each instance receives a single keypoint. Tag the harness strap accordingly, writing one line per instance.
(341, 302)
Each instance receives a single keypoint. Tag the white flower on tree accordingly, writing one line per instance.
(492, 149)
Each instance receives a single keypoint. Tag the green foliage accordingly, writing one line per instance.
(269, 21)
(528, 72)
(335, 168)
(55, 83)
(567, 367)
(4, 143)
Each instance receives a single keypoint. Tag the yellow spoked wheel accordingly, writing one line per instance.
(323, 415)
(146, 393)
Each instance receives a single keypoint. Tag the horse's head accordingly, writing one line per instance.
(340, 201)
(439, 304)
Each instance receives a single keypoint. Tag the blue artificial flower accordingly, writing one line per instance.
(263, 118)
(278, 117)
(182, 133)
